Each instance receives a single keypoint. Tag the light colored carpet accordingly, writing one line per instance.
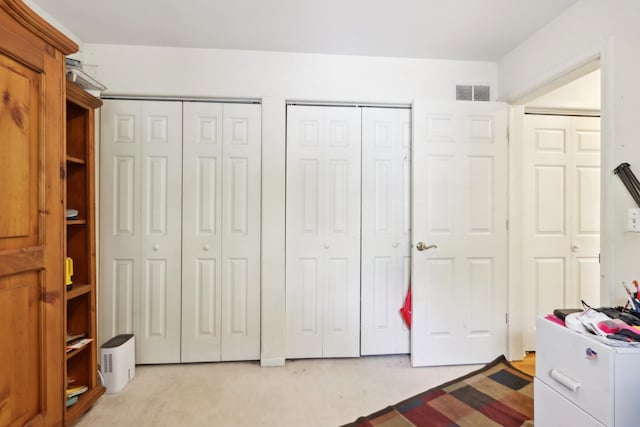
(324, 392)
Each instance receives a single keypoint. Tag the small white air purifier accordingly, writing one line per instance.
(118, 362)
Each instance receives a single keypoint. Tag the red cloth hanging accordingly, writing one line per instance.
(405, 311)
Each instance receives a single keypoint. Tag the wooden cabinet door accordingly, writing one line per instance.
(29, 289)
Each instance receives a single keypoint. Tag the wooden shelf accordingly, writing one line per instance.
(75, 160)
(78, 290)
(80, 241)
(76, 351)
(85, 402)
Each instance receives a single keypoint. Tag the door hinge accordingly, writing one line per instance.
(506, 318)
(507, 225)
(508, 135)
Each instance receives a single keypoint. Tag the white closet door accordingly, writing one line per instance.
(323, 231)
(386, 221)
(201, 232)
(241, 180)
(561, 218)
(160, 276)
(140, 221)
(120, 141)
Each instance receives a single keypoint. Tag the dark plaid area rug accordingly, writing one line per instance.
(496, 395)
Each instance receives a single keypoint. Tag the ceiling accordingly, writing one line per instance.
(446, 29)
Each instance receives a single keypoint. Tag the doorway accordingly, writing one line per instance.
(561, 201)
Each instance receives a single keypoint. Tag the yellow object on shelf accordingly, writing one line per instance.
(68, 271)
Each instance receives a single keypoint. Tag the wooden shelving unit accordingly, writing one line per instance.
(81, 367)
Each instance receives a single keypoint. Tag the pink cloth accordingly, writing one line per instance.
(555, 319)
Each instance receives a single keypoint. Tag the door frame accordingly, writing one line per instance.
(599, 57)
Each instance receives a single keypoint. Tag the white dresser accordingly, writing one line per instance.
(583, 382)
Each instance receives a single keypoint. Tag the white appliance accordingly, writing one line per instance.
(117, 362)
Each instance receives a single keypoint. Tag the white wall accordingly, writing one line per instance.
(139, 70)
(275, 78)
(586, 30)
(580, 94)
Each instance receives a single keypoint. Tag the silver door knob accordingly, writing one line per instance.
(421, 246)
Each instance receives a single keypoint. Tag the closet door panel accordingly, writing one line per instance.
(323, 232)
(241, 188)
(201, 232)
(385, 229)
(305, 224)
(341, 283)
(120, 232)
(160, 291)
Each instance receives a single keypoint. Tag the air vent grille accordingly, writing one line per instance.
(481, 93)
(473, 93)
(108, 363)
(464, 93)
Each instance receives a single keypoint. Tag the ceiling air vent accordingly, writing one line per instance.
(464, 93)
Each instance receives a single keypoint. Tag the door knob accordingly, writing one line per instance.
(156, 247)
(206, 247)
(421, 246)
(575, 247)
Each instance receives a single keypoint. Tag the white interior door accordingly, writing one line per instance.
(386, 222)
(459, 192)
(141, 221)
(202, 232)
(561, 179)
(323, 232)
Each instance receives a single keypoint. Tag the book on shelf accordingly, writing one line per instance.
(72, 214)
(75, 337)
(77, 344)
(72, 400)
(76, 391)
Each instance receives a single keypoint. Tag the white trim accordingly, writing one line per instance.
(183, 99)
(607, 248)
(515, 338)
(578, 66)
(348, 104)
(562, 112)
(275, 362)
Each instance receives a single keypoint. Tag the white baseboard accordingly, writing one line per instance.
(271, 363)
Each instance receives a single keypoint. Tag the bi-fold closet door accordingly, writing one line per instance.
(221, 232)
(180, 229)
(386, 229)
(346, 230)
